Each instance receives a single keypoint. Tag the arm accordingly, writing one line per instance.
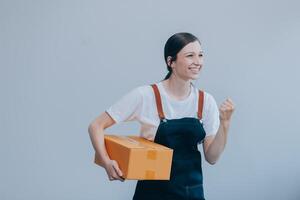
(125, 109)
(214, 145)
(96, 132)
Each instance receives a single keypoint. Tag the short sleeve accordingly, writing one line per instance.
(127, 108)
(210, 119)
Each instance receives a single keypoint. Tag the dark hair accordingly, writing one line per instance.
(174, 44)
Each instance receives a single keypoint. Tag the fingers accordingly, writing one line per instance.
(228, 104)
(118, 171)
(114, 172)
(226, 109)
(229, 100)
(116, 178)
(116, 167)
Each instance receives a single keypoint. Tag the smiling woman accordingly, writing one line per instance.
(189, 60)
(183, 51)
(174, 113)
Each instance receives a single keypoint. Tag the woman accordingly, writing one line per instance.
(173, 113)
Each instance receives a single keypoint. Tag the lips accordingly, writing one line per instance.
(194, 69)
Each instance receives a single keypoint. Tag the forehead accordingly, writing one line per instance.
(192, 47)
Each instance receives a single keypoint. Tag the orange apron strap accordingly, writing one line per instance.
(158, 101)
(200, 104)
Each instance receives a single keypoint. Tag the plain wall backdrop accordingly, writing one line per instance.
(64, 62)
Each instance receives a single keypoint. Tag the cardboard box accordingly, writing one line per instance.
(139, 158)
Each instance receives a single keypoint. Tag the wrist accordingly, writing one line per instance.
(225, 122)
(106, 160)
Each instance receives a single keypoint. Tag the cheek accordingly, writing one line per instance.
(181, 66)
(189, 61)
(201, 60)
(186, 63)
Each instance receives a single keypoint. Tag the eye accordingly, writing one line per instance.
(200, 55)
(190, 55)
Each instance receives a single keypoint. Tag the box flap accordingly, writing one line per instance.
(135, 142)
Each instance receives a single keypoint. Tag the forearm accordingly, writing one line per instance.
(97, 139)
(218, 144)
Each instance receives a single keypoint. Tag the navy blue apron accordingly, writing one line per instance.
(182, 135)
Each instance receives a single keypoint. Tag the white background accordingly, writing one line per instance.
(64, 62)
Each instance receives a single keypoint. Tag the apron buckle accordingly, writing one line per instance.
(164, 120)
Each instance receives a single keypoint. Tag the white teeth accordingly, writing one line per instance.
(194, 70)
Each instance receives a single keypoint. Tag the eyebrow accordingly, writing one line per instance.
(192, 52)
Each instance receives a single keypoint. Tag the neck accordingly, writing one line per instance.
(178, 88)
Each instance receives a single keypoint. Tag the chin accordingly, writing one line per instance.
(191, 77)
(195, 77)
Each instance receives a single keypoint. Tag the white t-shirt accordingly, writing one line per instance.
(140, 105)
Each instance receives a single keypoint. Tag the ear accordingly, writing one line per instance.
(169, 58)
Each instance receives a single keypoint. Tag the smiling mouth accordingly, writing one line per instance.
(194, 69)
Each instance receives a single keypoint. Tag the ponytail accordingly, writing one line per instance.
(169, 73)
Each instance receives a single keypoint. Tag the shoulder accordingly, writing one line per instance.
(141, 92)
(209, 100)
(208, 97)
(210, 104)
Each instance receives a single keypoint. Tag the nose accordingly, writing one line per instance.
(197, 61)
